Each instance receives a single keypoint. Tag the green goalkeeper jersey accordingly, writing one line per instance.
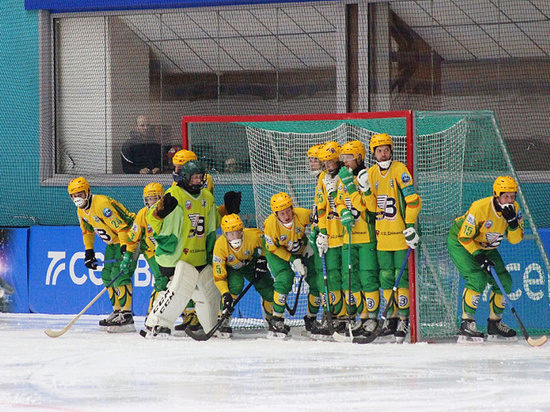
(192, 237)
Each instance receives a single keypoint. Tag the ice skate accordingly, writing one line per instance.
(156, 332)
(190, 321)
(310, 325)
(123, 322)
(369, 326)
(105, 323)
(498, 331)
(277, 328)
(225, 331)
(402, 330)
(468, 332)
(356, 327)
(387, 333)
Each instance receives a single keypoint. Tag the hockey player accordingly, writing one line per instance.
(184, 222)
(237, 256)
(314, 276)
(352, 208)
(287, 251)
(233, 202)
(111, 221)
(397, 207)
(141, 236)
(472, 243)
(329, 239)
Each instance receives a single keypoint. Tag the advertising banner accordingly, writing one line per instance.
(59, 283)
(13, 270)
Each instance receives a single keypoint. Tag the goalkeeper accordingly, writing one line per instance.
(351, 205)
(237, 256)
(472, 243)
(111, 221)
(232, 204)
(397, 206)
(287, 251)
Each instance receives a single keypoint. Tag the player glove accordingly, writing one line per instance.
(308, 251)
(227, 301)
(331, 184)
(166, 205)
(232, 201)
(509, 213)
(363, 181)
(347, 219)
(346, 176)
(411, 237)
(322, 243)
(89, 259)
(298, 266)
(484, 262)
(125, 264)
(260, 269)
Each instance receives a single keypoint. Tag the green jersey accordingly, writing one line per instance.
(190, 234)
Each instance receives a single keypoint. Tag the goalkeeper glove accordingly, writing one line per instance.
(166, 205)
(232, 201)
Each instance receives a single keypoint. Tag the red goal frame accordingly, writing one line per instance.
(408, 115)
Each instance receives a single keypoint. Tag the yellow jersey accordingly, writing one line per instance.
(225, 256)
(483, 228)
(328, 217)
(287, 241)
(396, 203)
(141, 230)
(107, 218)
(363, 230)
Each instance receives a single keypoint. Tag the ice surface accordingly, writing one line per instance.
(88, 370)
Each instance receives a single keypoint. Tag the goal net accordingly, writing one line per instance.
(454, 158)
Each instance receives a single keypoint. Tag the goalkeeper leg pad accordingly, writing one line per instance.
(171, 302)
(207, 298)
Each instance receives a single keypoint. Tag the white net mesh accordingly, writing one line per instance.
(457, 156)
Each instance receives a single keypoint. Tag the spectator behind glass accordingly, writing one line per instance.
(141, 153)
(231, 166)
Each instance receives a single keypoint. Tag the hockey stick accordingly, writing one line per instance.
(349, 285)
(336, 336)
(57, 333)
(533, 342)
(389, 304)
(223, 317)
(292, 311)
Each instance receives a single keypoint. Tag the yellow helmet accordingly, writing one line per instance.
(314, 151)
(504, 184)
(231, 223)
(183, 156)
(280, 201)
(329, 151)
(79, 185)
(152, 190)
(354, 148)
(380, 139)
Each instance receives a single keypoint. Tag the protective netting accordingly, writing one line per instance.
(457, 157)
